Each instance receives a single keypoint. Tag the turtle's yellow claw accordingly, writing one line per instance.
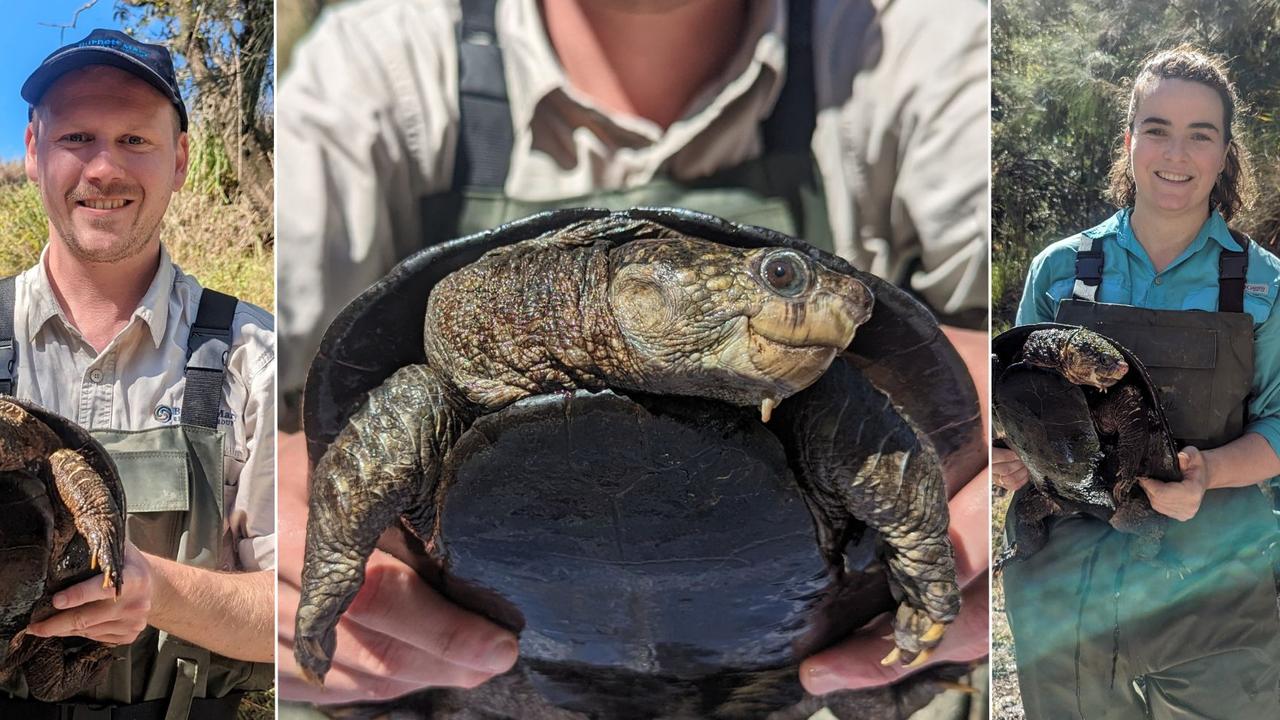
(893, 657)
(920, 659)
(934, 633)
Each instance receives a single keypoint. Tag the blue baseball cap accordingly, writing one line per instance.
(109, 47)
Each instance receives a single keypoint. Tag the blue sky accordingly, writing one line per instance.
(26, 42)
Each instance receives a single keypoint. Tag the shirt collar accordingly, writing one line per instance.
(153, 308)
(1214, 229)
(536, 71)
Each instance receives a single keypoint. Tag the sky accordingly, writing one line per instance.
(26, 42)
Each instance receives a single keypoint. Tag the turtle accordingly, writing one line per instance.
(1082, 414)
(63, 522)
(734, 545)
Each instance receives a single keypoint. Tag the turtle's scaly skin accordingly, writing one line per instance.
(62, 520)
(663, 314)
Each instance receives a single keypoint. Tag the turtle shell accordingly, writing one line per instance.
(1061, 449)
(649, 546)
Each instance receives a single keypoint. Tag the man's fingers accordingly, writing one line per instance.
(95, 621)
(345, 684)
(855, 662)
(82, 593)
(970, 527)
(449, 632)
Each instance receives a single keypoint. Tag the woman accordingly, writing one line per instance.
(1098, 635)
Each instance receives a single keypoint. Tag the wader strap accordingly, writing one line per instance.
(1232, 268)
(208, 347)
(1088, 269)
(485, 136)
(8, 347)
(1233, 265)
(789, 129)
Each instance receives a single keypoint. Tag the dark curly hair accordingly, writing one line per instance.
(1234, 189)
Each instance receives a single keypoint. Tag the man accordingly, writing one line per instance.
(175, 381)
(865, 134)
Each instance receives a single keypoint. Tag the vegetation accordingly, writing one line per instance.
(1061, 72)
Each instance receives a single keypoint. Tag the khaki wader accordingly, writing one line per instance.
(174, 494)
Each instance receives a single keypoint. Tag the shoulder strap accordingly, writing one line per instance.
(8, 346)
(485, 136)
(1089, 260)
(208, 347)
(789, 128)
(1232, 267)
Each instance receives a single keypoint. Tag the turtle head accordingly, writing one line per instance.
(1082, 356)
(747, 326)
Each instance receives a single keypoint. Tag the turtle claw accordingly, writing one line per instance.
(934, 633)
(894, 656)
(920, 659)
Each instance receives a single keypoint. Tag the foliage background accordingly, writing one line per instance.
(1060, 73)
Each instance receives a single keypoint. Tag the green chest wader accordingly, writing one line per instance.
(779, 190)
(1099, 635)
(173, 480)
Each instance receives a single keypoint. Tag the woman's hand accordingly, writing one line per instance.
(1007, 470)
(1180, 500)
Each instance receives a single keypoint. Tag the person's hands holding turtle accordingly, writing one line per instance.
(398, 636)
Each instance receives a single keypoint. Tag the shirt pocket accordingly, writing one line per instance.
(1205, 299)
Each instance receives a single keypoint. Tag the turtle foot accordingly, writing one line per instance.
(314, 655)
(105, 549)
(915, 635)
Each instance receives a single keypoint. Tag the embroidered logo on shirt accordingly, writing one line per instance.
(1257, 288)
(166, 415)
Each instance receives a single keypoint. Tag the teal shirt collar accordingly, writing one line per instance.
(1118, 226)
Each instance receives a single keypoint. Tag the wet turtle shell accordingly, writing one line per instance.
(657, 547)
(41, 552)
(1063, 434)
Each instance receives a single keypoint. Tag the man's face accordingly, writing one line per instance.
(103, 146)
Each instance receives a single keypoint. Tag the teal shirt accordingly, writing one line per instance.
(1190, 282)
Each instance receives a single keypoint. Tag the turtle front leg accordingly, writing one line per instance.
(94, 511)
(385, 462)
(856, 454)
(919, 555)
(1120, 413)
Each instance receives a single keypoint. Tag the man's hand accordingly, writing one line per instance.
(398, 636)
(1180, 500)
(88, 609)
(1007, 470)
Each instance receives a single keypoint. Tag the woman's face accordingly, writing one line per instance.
(1177, 147)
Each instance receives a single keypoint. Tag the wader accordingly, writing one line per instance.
(1100, 635)
(173, 484)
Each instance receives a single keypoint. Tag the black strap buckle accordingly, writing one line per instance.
(1089, 267)
(1232, 266)
(199, 337)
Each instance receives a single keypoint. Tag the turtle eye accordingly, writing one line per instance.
(785, 272)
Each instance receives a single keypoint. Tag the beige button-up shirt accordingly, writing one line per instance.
(368, 120)
(137, 381)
